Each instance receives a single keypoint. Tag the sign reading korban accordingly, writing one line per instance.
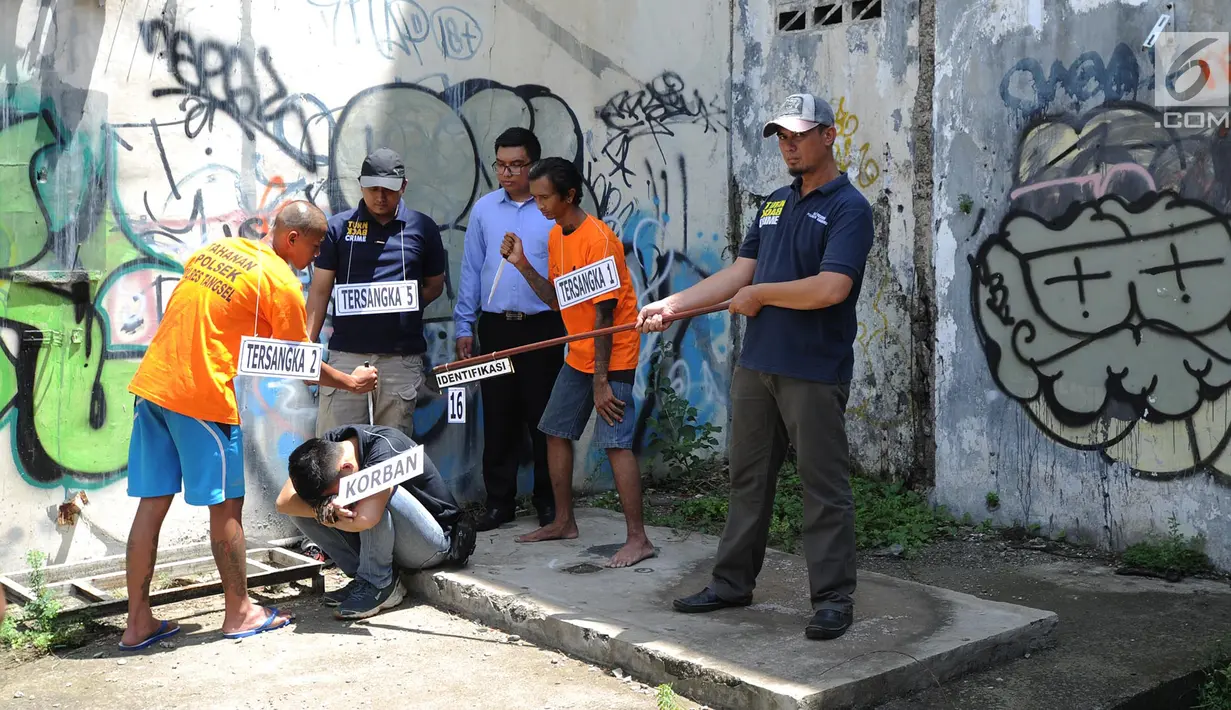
(381, 477)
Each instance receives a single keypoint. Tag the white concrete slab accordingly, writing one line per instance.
(557, 594)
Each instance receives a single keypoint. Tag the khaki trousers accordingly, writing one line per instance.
(393, 400)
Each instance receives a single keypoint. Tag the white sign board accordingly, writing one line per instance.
(457, 405)
(587, 282)
(381, 477)
(481, 371)
(371, 298)
(266, 357)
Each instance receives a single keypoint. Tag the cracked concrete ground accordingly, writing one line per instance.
(1118, 636)
(411, 656)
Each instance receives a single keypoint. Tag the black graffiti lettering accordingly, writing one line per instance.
(213, 76)
(659, 104)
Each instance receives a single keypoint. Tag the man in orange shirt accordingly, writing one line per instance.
(598, 373)
(186, 428)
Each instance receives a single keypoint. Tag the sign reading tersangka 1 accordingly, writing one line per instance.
(371, 298)
(483, 370)
(587, 282)
(266, 357)
(380, 477)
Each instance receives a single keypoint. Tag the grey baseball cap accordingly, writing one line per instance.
(799, 113)
(383, 168)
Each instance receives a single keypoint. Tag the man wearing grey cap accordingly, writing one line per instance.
(797, 279)
(385, 251)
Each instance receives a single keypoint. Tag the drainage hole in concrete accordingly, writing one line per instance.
(583, 568)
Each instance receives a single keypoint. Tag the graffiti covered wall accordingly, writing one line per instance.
(864, 59)
(1082, 277)
(130, 137)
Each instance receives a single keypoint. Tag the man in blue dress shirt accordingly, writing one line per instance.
(509, 316)
(379, 245)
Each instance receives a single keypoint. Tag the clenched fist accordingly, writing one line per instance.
(511, 249)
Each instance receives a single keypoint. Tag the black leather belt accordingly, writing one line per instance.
(507, 315)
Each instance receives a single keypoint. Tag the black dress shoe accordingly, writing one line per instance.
(547, 514)
(828, 624)
(461, 541)
(494, 518)
(706, 600)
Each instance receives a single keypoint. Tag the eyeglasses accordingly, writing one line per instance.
(511, 169)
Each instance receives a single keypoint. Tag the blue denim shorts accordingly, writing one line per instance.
(572, 403)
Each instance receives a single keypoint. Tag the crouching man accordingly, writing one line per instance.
(415, 525)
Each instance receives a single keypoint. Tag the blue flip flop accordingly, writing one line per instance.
(273, 614)
(159, 635)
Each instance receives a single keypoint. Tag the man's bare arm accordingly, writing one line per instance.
(289, 502)
(319, 292)
(333, 377)
(604, 317)
(715, 288)
(368, 512)
(542, 287)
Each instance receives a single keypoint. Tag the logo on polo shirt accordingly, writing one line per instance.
(356, 231)
(771, 213)
(819, 218)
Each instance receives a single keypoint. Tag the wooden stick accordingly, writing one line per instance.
(570, 338)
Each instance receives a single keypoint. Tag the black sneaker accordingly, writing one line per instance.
(366, 600)
(338, 596)
(462, 540)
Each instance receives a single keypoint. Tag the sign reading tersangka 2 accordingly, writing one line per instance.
(587, 282)
(495, 368)
(266, 357)
(372, 298)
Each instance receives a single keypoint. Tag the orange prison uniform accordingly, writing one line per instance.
(230, 288)
(591, 242)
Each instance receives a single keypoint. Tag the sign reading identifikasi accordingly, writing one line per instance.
(372, 298)
(266, 357)
(587, 282)
(380, 477)
(503, 366)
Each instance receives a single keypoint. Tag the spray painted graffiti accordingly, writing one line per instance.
(652, 111)
(1028, 89)
(403, 27)
(212, 76)
(69, 331)
(1102, 299)
(847, 155)
(118, 206)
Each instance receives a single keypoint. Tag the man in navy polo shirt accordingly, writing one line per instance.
(797, 279)
(379, 246)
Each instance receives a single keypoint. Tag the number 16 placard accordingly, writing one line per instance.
(457, 405)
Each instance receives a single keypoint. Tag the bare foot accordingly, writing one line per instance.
(140, 632)
(255, 616)
(633, 552)
(559, 530)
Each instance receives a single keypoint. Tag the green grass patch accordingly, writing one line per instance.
(886, 514)
(37, 626)
(889, 514)
(1215, 692)
(1172, 555)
